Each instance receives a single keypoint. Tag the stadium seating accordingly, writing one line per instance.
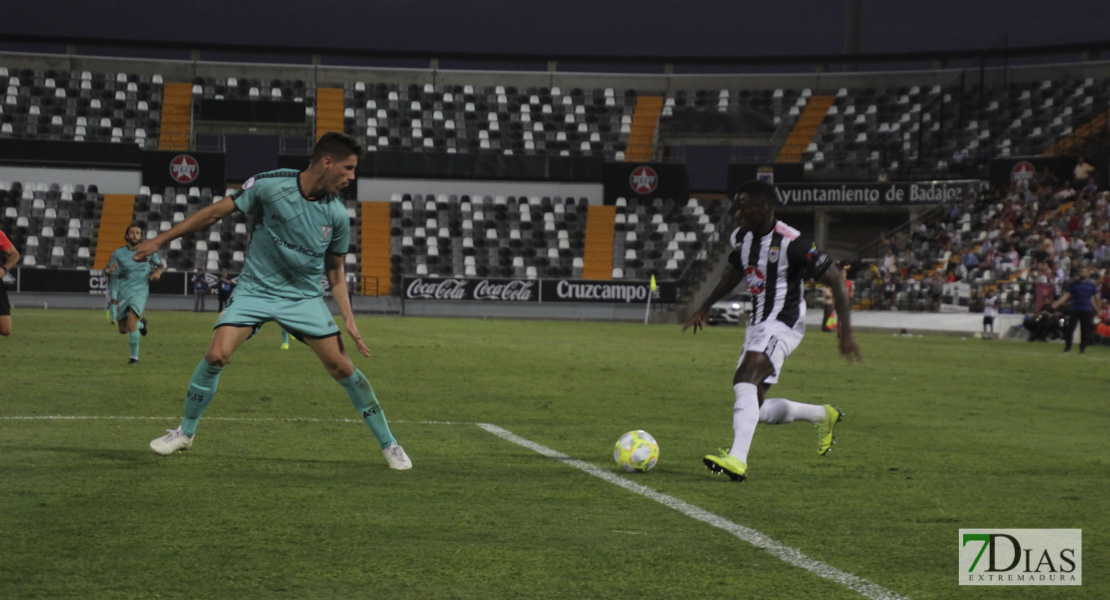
(80, 105)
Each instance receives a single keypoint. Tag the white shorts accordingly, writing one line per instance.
(774, 339)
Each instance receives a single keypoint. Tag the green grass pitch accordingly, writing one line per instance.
(286, 495)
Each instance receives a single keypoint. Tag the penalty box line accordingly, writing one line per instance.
(787, 554)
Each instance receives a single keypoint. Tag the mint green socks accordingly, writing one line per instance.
(363, 399)
(133, 340)
(201, 389)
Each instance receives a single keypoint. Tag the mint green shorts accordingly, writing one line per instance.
(135, 303)
(304, 318)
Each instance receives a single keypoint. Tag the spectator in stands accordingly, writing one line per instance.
(223, 289)
(10, 259)
(774, 259)
(891, 286)
(1100, 256)
(1082, 296)
(1064, 193)
(959, 161)
(1047, 179)
(133, 277)
(1102, 205)
(200, 289)
(1082, 173)
(304, 237)
(883, 177)
(970, 260)
(920, 232)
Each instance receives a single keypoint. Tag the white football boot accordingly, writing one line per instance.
(396, 457)
(173, 441)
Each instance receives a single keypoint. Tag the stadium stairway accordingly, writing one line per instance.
(597, 255)
(115, 218)
(329, 111)
(1068, 143)
(645, 120)
(377, 270)
(177, 116)
(804, 129)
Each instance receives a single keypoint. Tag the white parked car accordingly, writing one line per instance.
(732, 310)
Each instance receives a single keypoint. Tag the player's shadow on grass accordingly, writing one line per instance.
(111, 454)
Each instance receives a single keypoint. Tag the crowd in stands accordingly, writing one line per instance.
(1026, 241)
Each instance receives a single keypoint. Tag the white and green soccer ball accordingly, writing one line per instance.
(636, 451)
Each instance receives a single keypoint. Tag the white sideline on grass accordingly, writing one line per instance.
(789, 555)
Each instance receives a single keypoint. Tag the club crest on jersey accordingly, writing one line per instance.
(757, 281)
(773, 254)
(327, 231)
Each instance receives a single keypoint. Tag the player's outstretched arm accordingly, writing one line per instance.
(835, 280)
(729, 280)
(333, 267)
(11, 258)
(202, 219)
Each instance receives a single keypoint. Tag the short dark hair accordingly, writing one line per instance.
(760, 190)
(130, 227)
(336, 145)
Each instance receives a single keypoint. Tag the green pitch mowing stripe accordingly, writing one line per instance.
(789, 555)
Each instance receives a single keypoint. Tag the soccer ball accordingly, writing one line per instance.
(636, 451)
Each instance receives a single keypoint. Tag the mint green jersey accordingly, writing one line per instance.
(132, 278)
(291, 235)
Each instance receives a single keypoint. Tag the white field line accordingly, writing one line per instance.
(791, 556)
(245, 419)
(784, 553)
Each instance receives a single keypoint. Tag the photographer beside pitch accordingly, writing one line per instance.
(774, 259)
(300, 231)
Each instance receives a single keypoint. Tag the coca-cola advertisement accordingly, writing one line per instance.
(537, 290)
(500, 290)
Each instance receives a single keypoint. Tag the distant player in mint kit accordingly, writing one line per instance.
(130, 280)
(774, 260)
(300, 231)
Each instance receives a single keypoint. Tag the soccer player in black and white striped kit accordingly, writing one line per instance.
(774, 260)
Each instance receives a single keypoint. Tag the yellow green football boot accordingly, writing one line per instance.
(730, 465)
(825, 429)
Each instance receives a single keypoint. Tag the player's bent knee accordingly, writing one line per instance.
(216, 359)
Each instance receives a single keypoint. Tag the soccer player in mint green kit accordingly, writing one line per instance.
(131, 279)
(300, 232)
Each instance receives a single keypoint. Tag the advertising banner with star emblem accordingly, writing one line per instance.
(180, 168)
(646, 181)
(1025, 170)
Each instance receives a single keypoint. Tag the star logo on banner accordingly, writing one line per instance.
(644, 180)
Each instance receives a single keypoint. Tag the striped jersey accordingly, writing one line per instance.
(291, 235)
(774, 267)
